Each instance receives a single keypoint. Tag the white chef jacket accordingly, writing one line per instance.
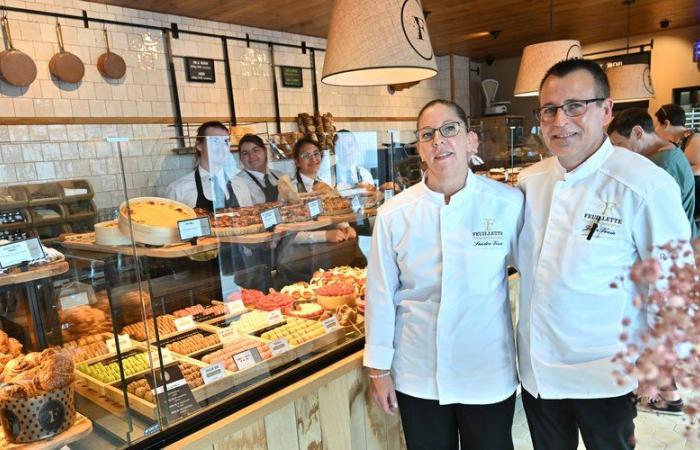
(570, 314)
(243, 182)
(184, 189)
(437, 309)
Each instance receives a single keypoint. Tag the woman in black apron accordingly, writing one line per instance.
(308, 251)
(259, 179)
(209, 187)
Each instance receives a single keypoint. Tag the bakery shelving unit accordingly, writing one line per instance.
(13, 201)
(50, 209)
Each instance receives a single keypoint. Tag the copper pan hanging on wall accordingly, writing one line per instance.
(16, 68)
(65, 65)
(109, 63)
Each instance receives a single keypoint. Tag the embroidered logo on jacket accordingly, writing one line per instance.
(606, 223)
(489, 237)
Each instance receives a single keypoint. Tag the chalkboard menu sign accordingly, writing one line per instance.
(200, 70)
(291, 77)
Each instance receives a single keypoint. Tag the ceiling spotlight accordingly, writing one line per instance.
(664, 23)
(494, 34)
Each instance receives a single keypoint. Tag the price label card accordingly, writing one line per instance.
(270, 217)
(73, 300)
(234, 307)
(184, 323)
(315, 207)
(124, 344)
(212, 373)
(279, 346)
(247, 358)
(388, 194)
(274, 316)
(227, 335)
(356, 203)
(19, 252)
(330, 324)
(193, 228)
(167, 356)
(174, 395)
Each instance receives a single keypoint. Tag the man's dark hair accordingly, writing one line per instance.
(625, 120)
(673, 113)
(253, 139)
(454, 106)
(567, 66)
(202, 130)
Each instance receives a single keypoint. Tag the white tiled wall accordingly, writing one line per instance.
(46, 152)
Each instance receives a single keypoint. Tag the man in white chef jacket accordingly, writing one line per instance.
(591, 211)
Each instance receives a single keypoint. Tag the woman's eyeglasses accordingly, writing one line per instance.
(448, 130)
(309, 155)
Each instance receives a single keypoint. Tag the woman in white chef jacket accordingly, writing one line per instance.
(439, 344)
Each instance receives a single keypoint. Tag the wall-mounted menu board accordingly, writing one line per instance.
(200, 70)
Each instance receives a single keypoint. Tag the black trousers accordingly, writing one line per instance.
(428, 425)
(605, 423)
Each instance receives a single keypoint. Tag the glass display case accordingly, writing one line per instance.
(173, 316)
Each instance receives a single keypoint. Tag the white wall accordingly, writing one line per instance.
(75, 148)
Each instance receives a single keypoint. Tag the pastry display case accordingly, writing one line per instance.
(145, 327)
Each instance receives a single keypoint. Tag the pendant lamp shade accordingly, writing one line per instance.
(377, 42)
(630, 83)
(536, 61)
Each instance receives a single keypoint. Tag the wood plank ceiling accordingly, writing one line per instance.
(456, 26)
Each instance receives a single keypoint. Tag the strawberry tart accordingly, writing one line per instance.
(336, 295)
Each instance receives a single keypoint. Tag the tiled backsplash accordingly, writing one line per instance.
(46, 152)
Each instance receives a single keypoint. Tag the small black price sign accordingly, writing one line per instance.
(200, 70)
(292, 77)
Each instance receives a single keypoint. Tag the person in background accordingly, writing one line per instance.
(670, 126)
(307, 157)
(256, 177)
(209, 185)
(633, 129)
(591, 211)
(349, 173)
(439, 343)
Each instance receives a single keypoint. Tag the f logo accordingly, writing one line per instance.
(488, 223)
(420, 26)
(608, 206)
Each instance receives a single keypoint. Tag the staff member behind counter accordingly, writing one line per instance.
(255, 178)
(201, 188)
(298, 260)
(210, 187)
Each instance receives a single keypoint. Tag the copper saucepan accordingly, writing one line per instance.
(109, 63)
(16, 68)
(65, 65)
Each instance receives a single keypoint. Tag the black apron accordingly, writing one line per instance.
(249, 266)
(301, 185)
(204, 203)
(271, 192)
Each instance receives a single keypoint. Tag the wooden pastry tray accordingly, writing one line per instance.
(185, 334)
(99, 386)
(115, 393)
(36, 273)
(216, 324)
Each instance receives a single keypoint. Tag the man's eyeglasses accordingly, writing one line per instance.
(308, 156)
(573, 108)
(450, 129)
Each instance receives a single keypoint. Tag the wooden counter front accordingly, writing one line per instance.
(331, 409)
